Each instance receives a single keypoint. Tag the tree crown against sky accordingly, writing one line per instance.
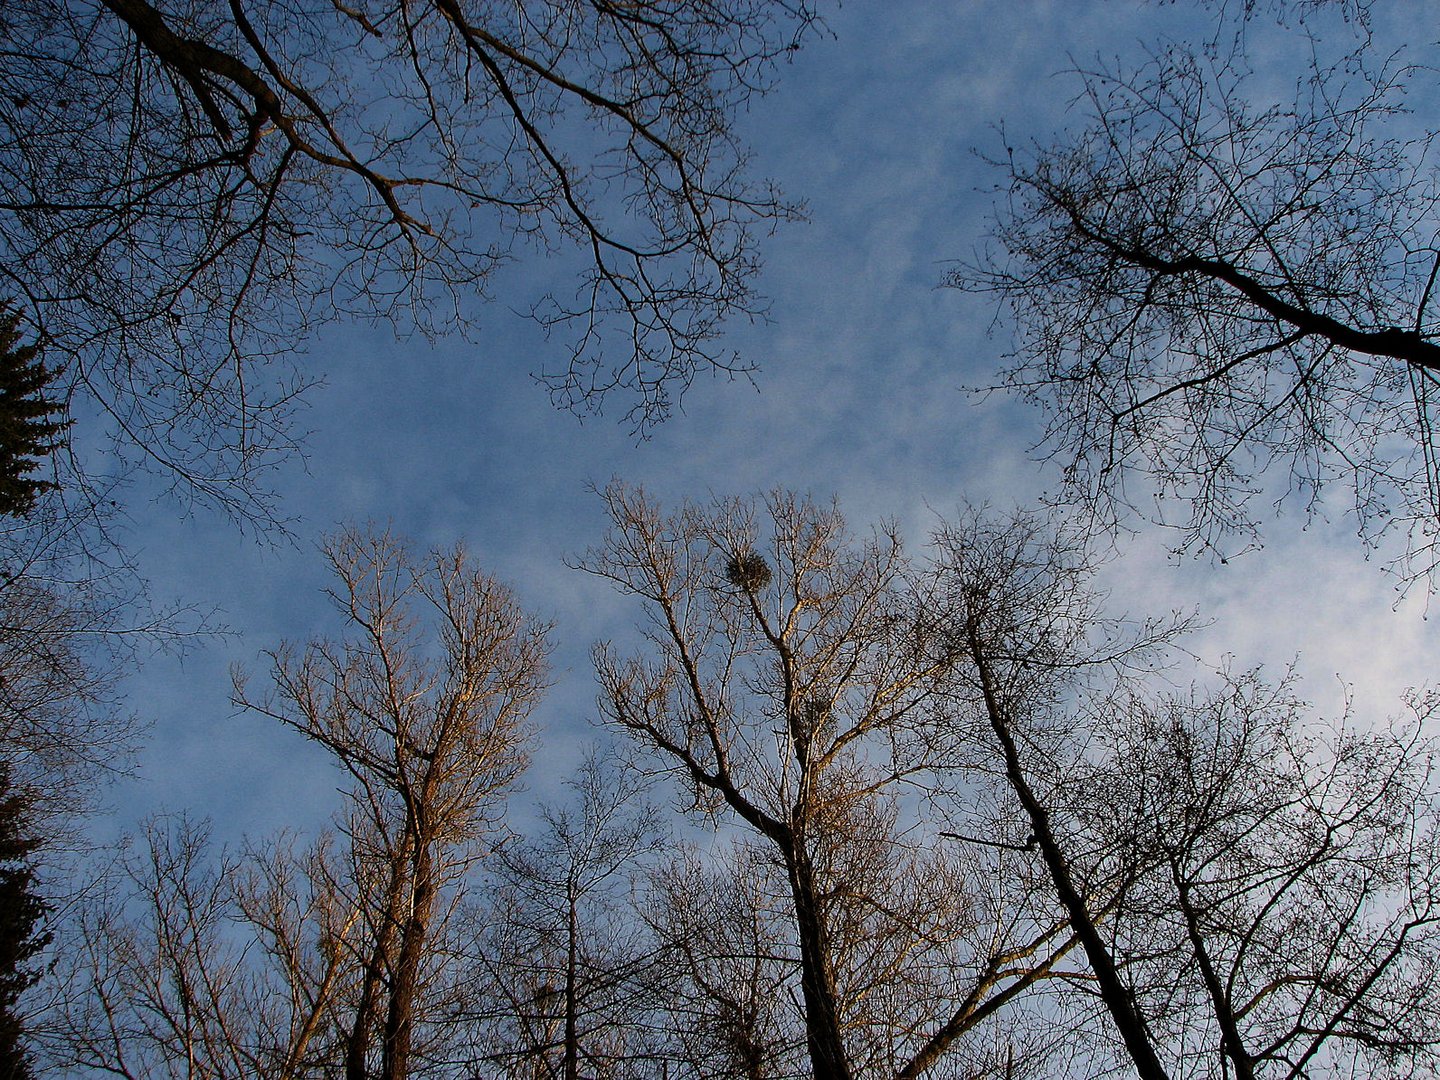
(1223, 287)
(193, 187)
(722, 916)
(348, 959)
(794, 682)
(1008, 847)
(1252, 884)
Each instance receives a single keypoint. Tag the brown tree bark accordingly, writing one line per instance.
(828, 1058)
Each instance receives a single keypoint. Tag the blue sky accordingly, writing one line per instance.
(859, 395)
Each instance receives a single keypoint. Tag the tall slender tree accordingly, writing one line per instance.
(1254, 890)
(787, 685)
(335, 958)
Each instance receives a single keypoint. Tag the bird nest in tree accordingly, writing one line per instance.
(748, 570)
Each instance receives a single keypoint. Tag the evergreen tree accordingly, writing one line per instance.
(27, 427)
(21, 909)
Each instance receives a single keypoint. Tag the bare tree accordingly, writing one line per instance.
(1014, 612)
(152, 985)
(786, 683)
(1292, 910)
(284, 962)
(427, 709)
(191, 185)
(727, 965)
(1212, 285)
(1254, 892)
(70, 626)
(563, 967)
(74, 615)
(71, 623)
(60, 639)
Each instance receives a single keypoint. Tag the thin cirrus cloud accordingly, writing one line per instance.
(860, 395)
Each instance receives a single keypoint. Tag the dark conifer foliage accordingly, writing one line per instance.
(28, 428)
(21, 912)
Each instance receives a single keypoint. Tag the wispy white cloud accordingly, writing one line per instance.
(859, 395)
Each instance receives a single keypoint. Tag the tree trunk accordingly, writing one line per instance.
(357, 1044)
(828, 1060)
(400, 1018)
(1232, 1043)
(572, 1036)
(1107, 975)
